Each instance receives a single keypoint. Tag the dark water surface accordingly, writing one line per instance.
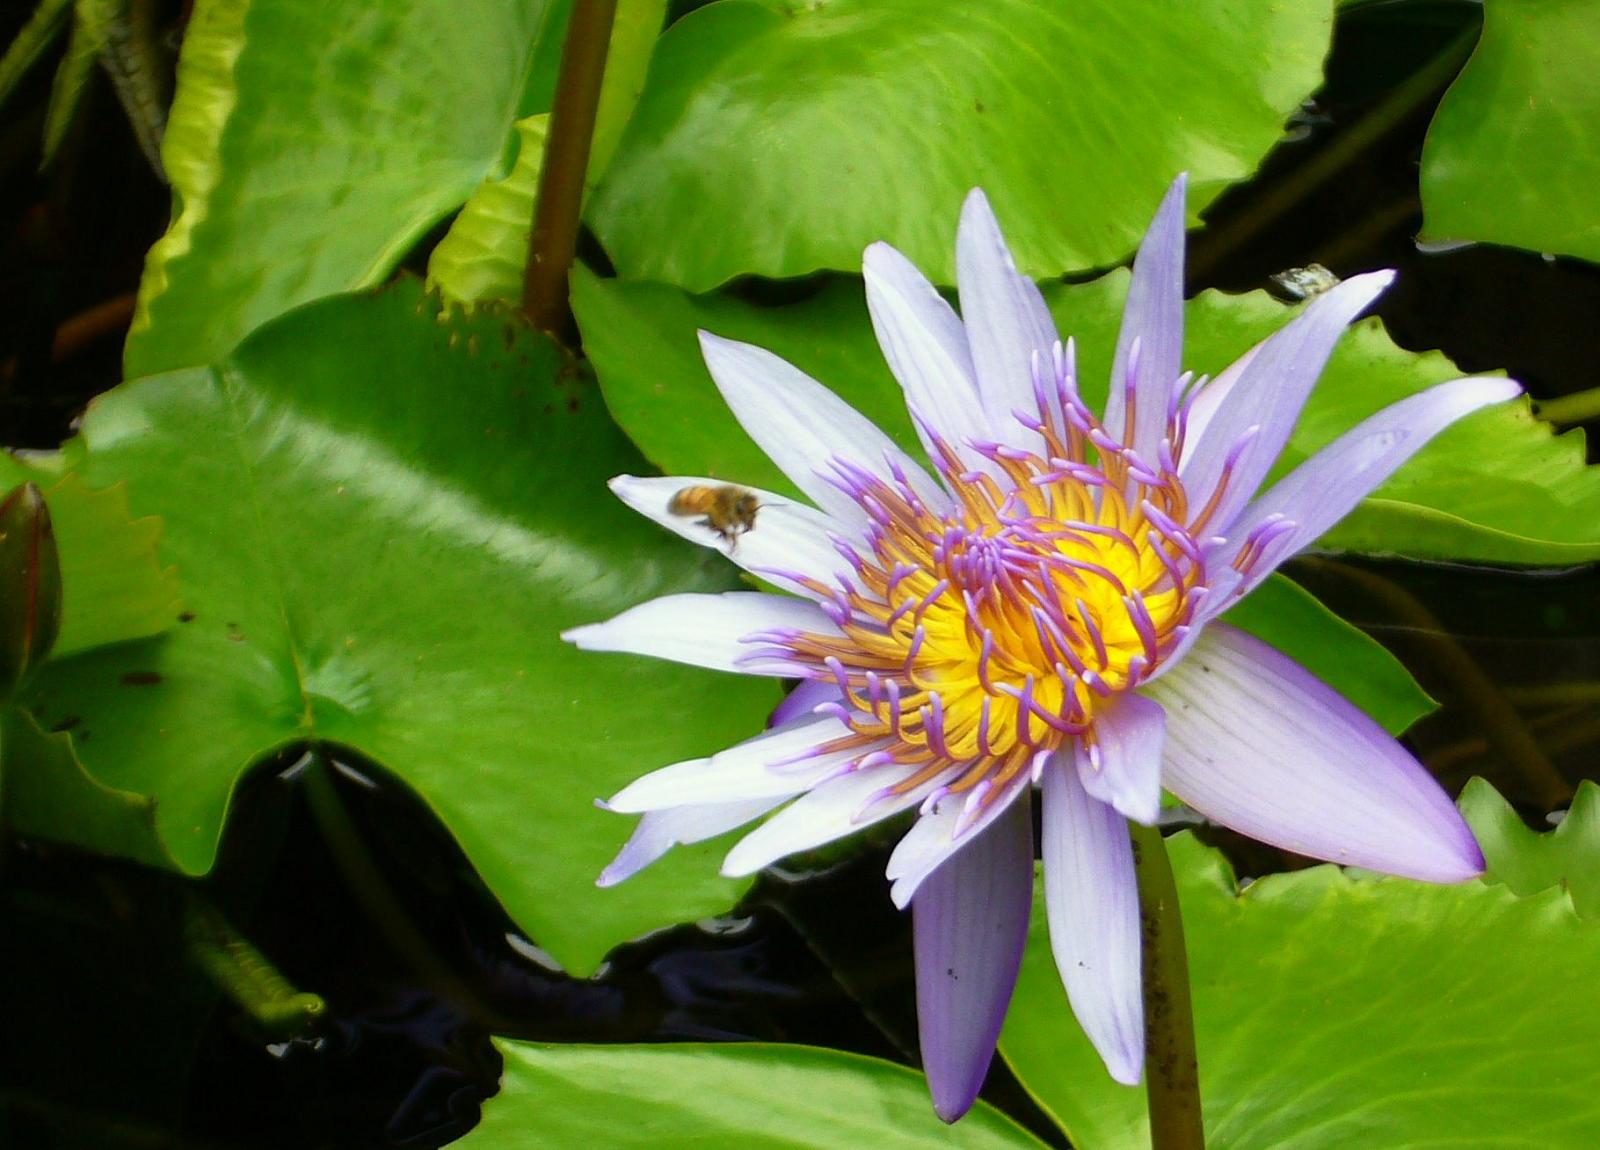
(114, 1038)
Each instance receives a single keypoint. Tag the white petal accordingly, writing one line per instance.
(776, 763)
(1092, 902)
(1007, 322)
(660, 831)
(803, 427)
(1257, 743)
(833, 810)
(1209, 398)
(1125, 766)
(1153, 315)
(787, 538)
(932, 838)
(707, 630)
(925, 347)
(970, 920)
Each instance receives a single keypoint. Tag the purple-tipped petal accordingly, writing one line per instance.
(970, 919)
(1153, 315)
(1326, 487)
(707, 630)
(1267, 396)
(1092, 900)
(830, 811)
(943, 831)
(787, 539)
(803, 700)
(802, 426)
(1006, 319)
(776, 763)
(1257, 743)
(660, 831)
(1125, 767)
(925, 347)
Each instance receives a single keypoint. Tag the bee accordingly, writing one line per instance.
(728, 510)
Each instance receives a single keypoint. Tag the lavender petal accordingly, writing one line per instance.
(1257, 743)
(970, 919)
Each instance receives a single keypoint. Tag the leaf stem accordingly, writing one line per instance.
(1458, 671)
(1171, 1070)
(1565, 410)
(1327, 162)
(366, 882)
(552, 243)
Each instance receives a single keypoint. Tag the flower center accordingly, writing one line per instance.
(976, 639)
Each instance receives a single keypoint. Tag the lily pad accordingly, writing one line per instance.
(776, 137)
(46, 793)
(293, 182)
(384, 517)
(1513, 153)
(1527, 861)
(1334, 1011)
(688, 1096)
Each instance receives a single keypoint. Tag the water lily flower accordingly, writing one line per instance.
(1035, 614)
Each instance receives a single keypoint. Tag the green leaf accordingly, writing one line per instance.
(776, 137)
(482, 256)
(634, 32)
(1290, 618)
(45, 793)
(114, 587)
(69, 86)
(384, 517)
(1513, 153)
(689, 1096)
(1334, 1011)
(293, 182)
(1528, 862)
(31, 42)
(1498, 487)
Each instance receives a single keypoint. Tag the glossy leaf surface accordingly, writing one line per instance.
(689, 1096)
(383, 520)
(1513, 153)
(292, 183)
(1335, 1011)
(776, 137)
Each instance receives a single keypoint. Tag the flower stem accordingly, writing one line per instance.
(1171, 1071)
(553, 241)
